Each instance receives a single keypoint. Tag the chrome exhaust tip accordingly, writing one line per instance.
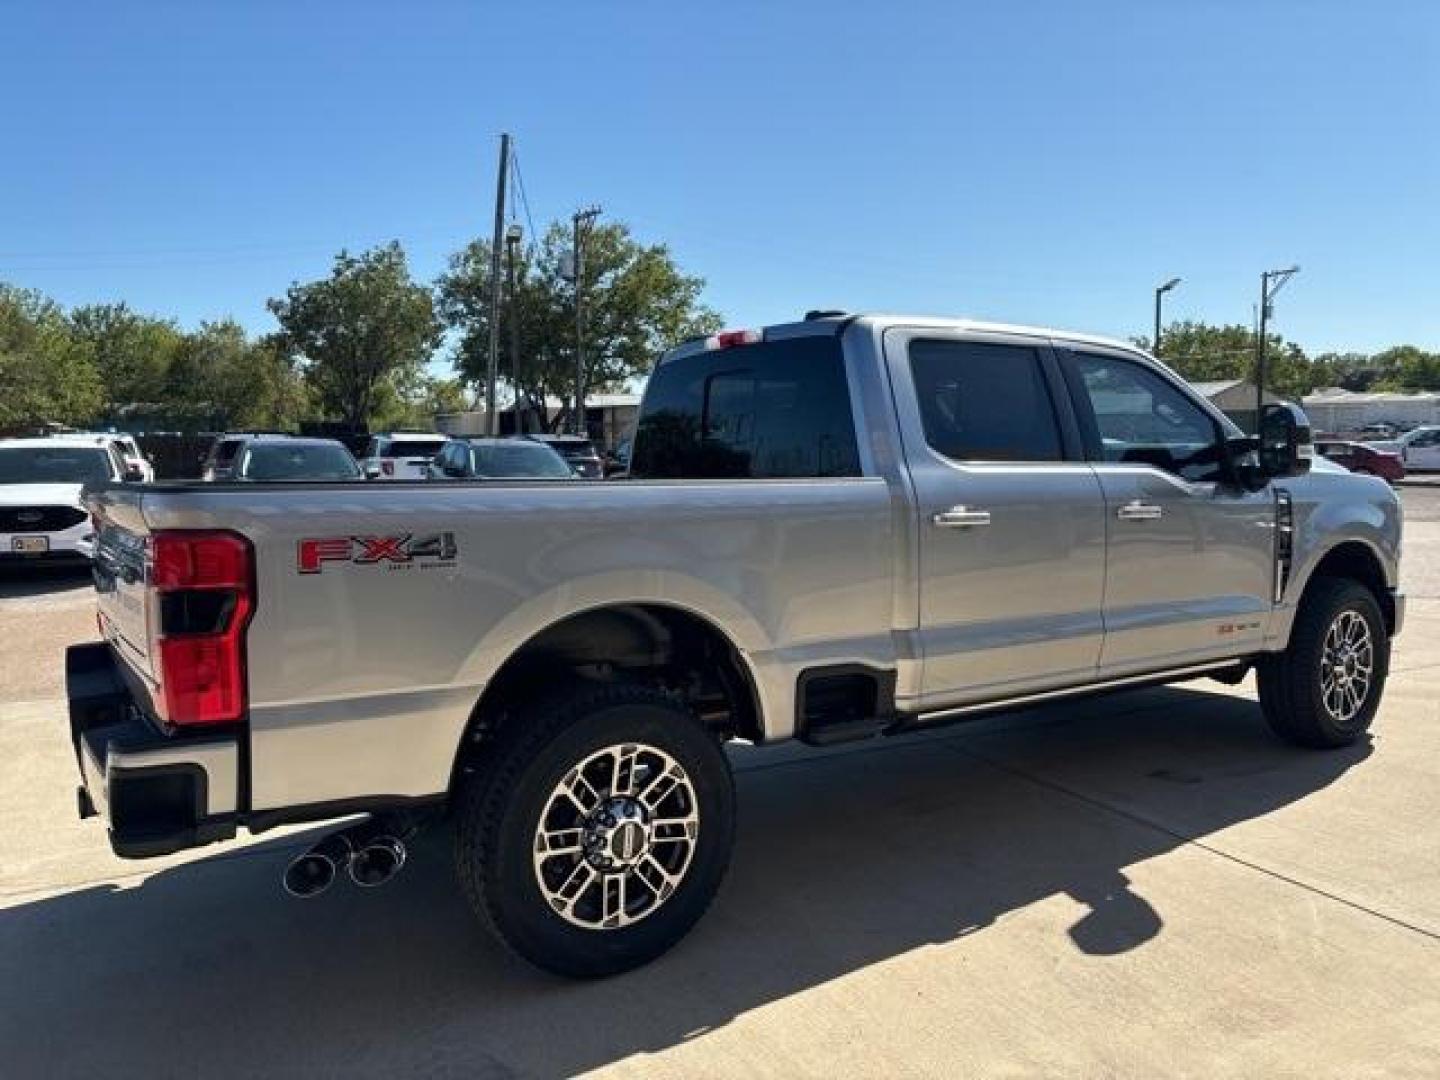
(377, 862)
(311, 873)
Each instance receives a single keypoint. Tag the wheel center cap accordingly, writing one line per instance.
(617, 835)
(627, 842)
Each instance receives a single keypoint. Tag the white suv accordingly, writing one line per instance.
(400, 455)
(129, 450)
(41, 515)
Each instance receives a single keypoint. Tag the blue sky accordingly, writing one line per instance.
(1032, 162)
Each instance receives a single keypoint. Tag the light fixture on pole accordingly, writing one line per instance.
(1271, 282)
(1159, 292)
(580, 219)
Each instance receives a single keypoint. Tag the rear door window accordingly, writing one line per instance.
(769, 410)
(984, 402)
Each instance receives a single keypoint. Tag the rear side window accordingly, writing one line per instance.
(982, 402)
(771, 410)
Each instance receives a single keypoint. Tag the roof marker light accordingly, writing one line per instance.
(728, 339)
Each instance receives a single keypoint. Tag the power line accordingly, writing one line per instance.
(524, 198)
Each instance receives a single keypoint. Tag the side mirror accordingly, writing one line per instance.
(1242, 460)
(372, 472)
(1287, 447)
(133, 474)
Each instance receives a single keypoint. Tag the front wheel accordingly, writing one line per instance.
(601, 831)
(1324, 689)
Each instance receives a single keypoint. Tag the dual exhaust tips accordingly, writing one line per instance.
(370, 857)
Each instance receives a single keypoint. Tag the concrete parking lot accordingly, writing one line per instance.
(1139, 886)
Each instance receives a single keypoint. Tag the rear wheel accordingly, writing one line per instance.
(600, 832)
(1323, 691)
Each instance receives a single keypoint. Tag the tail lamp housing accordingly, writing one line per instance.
(203, 593)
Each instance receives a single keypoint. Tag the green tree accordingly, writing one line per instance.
(1350, 371)
(221, 374)
(637, 304)
(1205, 353)
(132, 352)
(1407, 368)
(366, 328)
(46, 374)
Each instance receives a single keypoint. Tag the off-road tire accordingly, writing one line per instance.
(1290, 683)
(502, 803)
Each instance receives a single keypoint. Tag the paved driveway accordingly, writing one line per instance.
(1143, 885)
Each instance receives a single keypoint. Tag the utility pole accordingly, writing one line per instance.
(1159, 292)
(492, 420)
(512, 241)
(580, 219)
(1271, 282)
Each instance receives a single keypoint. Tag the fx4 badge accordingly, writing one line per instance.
(395, 552)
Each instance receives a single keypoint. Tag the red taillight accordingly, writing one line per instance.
(728, 339)
(205, 588)
(387, 467)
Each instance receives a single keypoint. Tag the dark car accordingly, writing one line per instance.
(1359, 458)
(578, 451)
(498, 459)
(278, 460)
(224, 452)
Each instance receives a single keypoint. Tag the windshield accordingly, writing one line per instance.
(54, 465)
(520, 459)
(303, 461)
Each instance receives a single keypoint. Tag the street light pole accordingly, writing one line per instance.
(492, 370)
(1159, 292)
(512, 241)
(1271, 282)
(579, 220)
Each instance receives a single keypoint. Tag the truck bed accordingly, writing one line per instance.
(384, 609)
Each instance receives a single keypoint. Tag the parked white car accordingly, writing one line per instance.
(129, 449)
(1419, 447)
(41, 515)
(401, 455)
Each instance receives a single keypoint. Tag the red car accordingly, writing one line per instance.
(1359, 458)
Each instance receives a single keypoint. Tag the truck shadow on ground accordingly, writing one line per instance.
(844, 859)
(26, 580)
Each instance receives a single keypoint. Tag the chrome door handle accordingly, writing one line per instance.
(1138, 511)
(961, 517)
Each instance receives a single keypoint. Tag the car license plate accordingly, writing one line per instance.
(30, 545)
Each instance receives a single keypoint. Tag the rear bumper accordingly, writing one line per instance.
(1397, 601)
(157, 794)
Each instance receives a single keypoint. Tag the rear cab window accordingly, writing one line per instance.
(774, 409)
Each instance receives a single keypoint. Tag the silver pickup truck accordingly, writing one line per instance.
(840, 528)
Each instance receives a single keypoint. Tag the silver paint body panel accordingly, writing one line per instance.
(363, 677)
